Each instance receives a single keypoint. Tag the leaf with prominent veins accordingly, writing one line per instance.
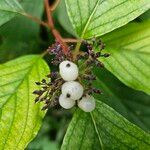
(21, 31)
(103, 129)
(97, 17)
(130, 52)
(8, 10)
(132, 104)
(20, 118)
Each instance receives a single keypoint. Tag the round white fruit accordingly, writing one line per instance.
(68, 70)
(72, 89)
(66, 103)
(87, 103)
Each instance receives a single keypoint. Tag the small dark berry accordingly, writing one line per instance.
(45, 107)
(106, 55)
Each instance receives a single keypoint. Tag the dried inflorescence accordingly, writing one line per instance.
(85, 60)
(50, 90)
(56, 50)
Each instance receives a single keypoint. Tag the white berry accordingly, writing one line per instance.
(87, 103)
(72, 89)
(65, 102)
(68, 70)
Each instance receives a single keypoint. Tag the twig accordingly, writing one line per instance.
(53, 30)
(44, 53)
(35, 19)
(77, 49)
(48, 12)
(70, 40)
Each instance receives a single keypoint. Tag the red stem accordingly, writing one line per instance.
(52, 27)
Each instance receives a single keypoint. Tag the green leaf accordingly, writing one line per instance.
(145, 16)
(61, 12)
(9, 9)
(97, 17)
(43, 143)
(21, 35)
(104, 129)
(132, 104)
(20, 117)
(129, 61)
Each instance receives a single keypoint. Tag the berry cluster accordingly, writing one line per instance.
(72, 85)
(72, 90)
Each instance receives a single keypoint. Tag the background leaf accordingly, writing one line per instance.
(97, 17)
(133, 105)
(21, 35)
(20, 118)
(129, 61)
(8, 9)
(104, 125)
(145, 16)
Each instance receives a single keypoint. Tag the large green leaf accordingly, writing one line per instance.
(145, 16)
(97, 17)
(8, 9)
(21, 35)
(132, 104)
(130, 52)
(104, 129)
(20, 117)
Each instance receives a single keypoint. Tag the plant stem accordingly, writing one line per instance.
(77, 49)
(50, 25)
(35, 19)
(53, 30)
(44, 53)
(70, 40)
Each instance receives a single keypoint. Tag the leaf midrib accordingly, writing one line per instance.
(88, 21)
(27, 114)
(125, 106)
(25, 76)
(10, 11)
(96, 130)
(114, 19)
(124, 129)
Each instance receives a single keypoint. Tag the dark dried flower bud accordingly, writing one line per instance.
(90, 92)
(38, 83)
(45, 107)
(89, 72)
(98, 54)
(99, 64)
(54, 75)
(43, 81)
(36, 99)
(97, 91)
(102, 46)
(90, 61)
(106, 55)
(38, 92)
